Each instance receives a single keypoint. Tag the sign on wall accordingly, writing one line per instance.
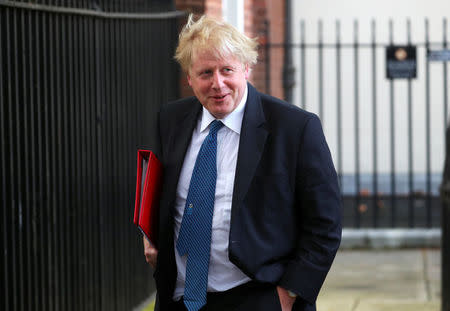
(438, 55)
(401, 62)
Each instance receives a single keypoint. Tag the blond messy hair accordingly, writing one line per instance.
(216, 36)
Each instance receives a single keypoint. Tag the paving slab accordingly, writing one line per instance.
(433, 272)
(337, 304)
(397, 306)
(371, 274)
(365, 280)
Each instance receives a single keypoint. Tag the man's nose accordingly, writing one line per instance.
(217, 80)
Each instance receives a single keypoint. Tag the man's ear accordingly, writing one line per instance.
(189, 79)
(246, 72)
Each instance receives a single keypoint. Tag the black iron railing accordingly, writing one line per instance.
(79, 91)
(344, 82)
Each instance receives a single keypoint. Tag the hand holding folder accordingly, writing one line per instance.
(148, 187)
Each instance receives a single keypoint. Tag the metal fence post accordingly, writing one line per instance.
(445, 196)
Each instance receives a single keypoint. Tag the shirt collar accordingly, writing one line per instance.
(233, 121)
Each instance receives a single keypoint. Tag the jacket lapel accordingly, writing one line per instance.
(180, 139)
(182, 133)
(251, 145)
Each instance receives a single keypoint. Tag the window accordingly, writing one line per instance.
(233, 13)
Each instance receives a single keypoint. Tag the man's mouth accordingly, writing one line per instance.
(219, 97)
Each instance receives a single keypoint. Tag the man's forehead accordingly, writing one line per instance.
(209, 54)
(212, 54)
(207, 61)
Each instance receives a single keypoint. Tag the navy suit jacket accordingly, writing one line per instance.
(286, 208)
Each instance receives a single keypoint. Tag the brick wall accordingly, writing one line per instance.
(214, 8)
(191, 6)
(257, 14)
(255, 27)
(275, 14)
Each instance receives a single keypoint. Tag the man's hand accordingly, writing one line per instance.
(150, 252)
(286, 301)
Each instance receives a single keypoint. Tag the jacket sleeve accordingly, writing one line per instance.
(318, 212)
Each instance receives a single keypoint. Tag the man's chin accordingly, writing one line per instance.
(220, 110)
(220, 113)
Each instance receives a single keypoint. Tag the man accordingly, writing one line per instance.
(250, 206)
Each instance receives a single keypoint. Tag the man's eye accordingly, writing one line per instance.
(227, 70)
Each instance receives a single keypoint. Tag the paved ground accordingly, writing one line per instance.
(379, 280)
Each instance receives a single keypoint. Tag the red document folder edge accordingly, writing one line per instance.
(146, 207)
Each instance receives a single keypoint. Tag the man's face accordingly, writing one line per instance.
(218, 83)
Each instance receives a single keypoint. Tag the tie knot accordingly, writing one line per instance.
(215, 126)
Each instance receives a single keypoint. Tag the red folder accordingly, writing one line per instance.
(148, 188)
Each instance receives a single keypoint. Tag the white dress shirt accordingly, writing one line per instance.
(222, 274)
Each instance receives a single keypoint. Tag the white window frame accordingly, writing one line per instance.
(233, 13)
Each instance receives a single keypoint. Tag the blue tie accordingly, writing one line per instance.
(194, 238)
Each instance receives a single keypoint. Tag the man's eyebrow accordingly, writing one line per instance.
(203, 68)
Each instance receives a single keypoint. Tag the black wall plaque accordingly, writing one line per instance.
(401, 62)
(438, 56)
